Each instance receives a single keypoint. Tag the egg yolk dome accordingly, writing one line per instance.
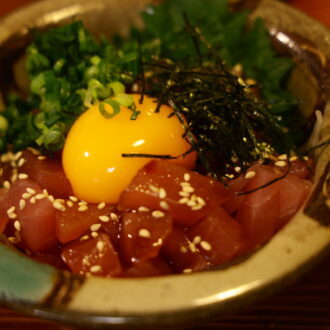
(92, 156)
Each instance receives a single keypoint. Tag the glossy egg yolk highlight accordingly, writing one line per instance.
(92, 156)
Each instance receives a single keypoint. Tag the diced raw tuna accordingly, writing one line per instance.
(218, 237)
(48, 173)
(95, 256)
(186, 195)
(143, 234)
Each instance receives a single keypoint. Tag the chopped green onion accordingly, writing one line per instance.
(117, 87)
(124, 99)
(115, 107)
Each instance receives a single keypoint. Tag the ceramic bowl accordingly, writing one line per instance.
(46, 292)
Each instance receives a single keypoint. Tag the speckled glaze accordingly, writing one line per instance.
(97, 302)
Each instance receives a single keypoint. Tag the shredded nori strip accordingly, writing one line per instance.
(126, 155)
(224, 123)
(129, 155)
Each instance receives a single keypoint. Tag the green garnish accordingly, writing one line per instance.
(115, 107)
(64, 83)
(177, 58)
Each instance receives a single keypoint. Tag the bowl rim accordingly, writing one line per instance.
(177, 298)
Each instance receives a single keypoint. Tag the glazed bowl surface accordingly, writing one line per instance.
(43, 291)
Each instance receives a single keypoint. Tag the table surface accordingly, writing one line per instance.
(303, 305)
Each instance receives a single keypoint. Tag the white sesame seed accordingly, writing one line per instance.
(305, 158)
(42, 157)
(94, 234)
(26, 195)
(30, 191)
(13, 177)
(192, 247)
(206, 246)
(6, 184)
(82, 203)
(164, 205)
(186, 177)
(13, 240)
(100, 246)
(34, 151)
(95, 227)
(22, 204)
(158, 214)
(143, 209)
(21, 162)
(185, 184)
(154, 189)
(104, 218)
(114, 216)
(188, 189)
(95, 269)
(196, 207)
(12, 216)
(32, 200)
(158, 243)
(83, 208)
(280, 163)
(250, 175)
(22, 176)
(11, 210)
(58, 206)
(73, 198)
(18, 155)
(230, 176)
(101, 206)
(191, 203)
(237, 169)
(45, 192)
(51, 198)
(184, 194)
(183, 249)
(40, 196)
(187, 271)
(196, 239)
(17, 225)
(84, 238)
(145, 233)
(69, 203)
(13, 164)
(201, 201)
(283, 157)
(183, 200)
(162, 193)
(293, 158)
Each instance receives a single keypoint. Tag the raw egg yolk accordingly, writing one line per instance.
(92, 156)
